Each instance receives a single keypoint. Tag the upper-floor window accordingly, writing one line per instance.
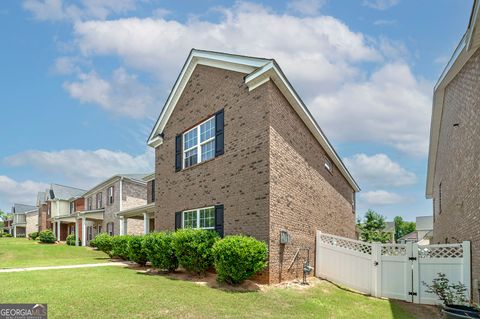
(110, 195)
(89, 203)
(199, 143)
(49, 209)
(153, 190)
(99, 200)
(110, 229)
(72, 207)
(202, 218)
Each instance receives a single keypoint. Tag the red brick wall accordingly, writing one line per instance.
(80, 203)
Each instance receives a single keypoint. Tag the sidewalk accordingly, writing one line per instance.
(118, 263)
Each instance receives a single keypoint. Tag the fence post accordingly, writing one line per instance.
(317, 254)
(376, 269)
(466, 268)
(416, 287)
(408, 271)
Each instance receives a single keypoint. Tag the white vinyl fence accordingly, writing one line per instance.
(391, 270)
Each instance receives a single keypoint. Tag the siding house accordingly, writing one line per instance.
(238, 152)
(103, 202)
(19, 219)
(453, 176)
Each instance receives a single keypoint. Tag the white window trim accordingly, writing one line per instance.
(199, 144)
(197, 211)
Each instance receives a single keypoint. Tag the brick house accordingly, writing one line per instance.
(7, 225)
(19, 219)
(453, 177)
(43, 212)
(236, 150)
(104, 201)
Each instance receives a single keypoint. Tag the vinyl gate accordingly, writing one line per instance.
(390, 270)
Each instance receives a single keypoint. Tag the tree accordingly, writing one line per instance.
(372, 228)
(402, 227)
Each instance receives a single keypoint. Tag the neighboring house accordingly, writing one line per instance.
(145, 213)
(58, 208)
(19, 219)
(104, 201)
(7, 225)
(423, 233)
(31, 218)
(453, 165)
(42, 211)
(238, 152)
(390, 228)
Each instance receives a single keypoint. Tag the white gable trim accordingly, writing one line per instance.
(259, 72)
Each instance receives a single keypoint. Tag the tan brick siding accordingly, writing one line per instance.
(457, 164)
(32, 222)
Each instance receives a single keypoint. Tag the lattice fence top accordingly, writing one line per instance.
(350, 244)
(394, 250)
(440, 251)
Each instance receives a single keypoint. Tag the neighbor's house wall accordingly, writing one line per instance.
(60, 208)
(32, 222)
(149, 192)
(304, 195)
(134, 195)
(238, 179)
(457, 164)
(42, 217)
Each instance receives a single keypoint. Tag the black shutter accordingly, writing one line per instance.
(178, 220)
(219, 220)
(178, 153)
(219, 133)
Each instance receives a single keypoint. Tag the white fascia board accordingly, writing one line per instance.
(273, 72)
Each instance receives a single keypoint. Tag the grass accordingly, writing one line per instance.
(21, 252)
(114, 292)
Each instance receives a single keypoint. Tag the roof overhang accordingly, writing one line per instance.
(258, 71)
(92, 214)
(149, 178)
(137, 212)
(468, 45)
(67, 218)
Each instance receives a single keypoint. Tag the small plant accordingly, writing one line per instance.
(136, 250)
(193, 248)
(103, 242)
(33, 235)
(450, 294)
(46, 236)
(160, 252)
(238, 258)
(71, 240)
(7, 235)
(120, 246)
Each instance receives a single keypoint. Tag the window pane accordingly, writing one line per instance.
(190, 219)
(207, 130)
(190, 139)
(207, 218)
(208, 150)
(191, 157)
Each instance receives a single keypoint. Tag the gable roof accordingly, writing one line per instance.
(63, 192)
(22, 208)
(258, 71)
(138, 178)
(41, 198)
(469, 43)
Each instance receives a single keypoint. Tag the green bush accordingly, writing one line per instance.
(159, 249)
(71, 240)
(193, 249)
(33, 235)
(46, 236)
(103, 242)
(120, 246)
(136, 250)
(7, 235)
(237, 258)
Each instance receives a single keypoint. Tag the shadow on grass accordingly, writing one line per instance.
(402, 309)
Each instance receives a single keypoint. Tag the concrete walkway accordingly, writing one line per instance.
(118, 263)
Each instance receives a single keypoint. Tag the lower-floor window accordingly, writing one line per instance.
(201, 218)
(110, 228)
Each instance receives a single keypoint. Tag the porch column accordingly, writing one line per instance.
(84, 231)
(58, 230)
(123, 225)
(76, 232)
(15, 231)
(146, 223)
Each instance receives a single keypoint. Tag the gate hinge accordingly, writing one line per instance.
(412, 258)
(411, 293)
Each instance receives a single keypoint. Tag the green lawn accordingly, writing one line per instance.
(21, 252)
(114, 292)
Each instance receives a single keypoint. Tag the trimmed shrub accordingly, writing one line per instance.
(193, 248)
(136, 250)
(103, 242)
(47, 237)
(33, 235)
(7, 235)
(71, 240)
(237, 258)
(120, 246)
(159, 249)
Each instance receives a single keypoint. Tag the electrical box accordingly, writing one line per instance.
(284, 237)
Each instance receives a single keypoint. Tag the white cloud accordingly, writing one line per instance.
(380, 4)
(306, 7)
(122, 94)
(55, 10)
(12, 191)
(378, 171)
(83, 168)
(380, 197)
(391, 107)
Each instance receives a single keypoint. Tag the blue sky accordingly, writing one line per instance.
(83, 82)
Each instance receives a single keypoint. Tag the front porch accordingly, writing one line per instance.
(144, 212)
(89, 225)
